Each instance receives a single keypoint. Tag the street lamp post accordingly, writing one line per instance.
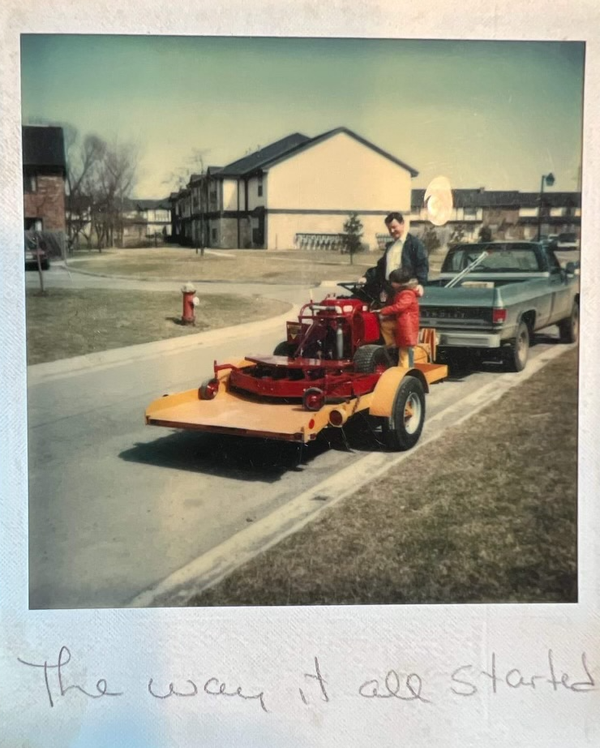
(549, 180)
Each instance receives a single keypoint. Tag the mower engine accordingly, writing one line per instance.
(331, 329)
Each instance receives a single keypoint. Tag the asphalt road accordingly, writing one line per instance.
(117, 506)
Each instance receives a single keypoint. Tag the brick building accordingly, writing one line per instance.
(44, 172)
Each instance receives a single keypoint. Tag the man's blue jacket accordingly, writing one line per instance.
(413, 258)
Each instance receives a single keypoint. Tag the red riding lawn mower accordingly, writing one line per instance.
(330, 367)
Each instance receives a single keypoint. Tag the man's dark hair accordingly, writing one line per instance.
(394, 217)
(400, 276)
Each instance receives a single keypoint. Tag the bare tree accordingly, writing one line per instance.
(110, 187)
(84, 157)
(195, 164)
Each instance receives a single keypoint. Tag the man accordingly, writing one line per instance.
(405, 251)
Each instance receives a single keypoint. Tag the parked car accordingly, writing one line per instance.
(516, 289)
(35, 247)
(567, 241)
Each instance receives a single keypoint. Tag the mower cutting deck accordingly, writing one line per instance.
(330, 367)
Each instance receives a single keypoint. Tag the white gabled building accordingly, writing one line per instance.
(299, 192)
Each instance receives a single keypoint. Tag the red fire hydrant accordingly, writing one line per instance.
(190, 302)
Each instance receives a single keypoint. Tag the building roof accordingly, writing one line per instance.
(553, 199)
(210, 172)
(475, 198)
(147, 204)
(43, 146)
(352, 134)
(480, 198)
(291, 146)
(261, 157)
(182, 192)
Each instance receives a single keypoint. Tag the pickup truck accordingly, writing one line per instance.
(515, 289)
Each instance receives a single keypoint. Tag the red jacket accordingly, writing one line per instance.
(405, 308)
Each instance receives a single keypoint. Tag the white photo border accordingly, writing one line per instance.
(273, 648)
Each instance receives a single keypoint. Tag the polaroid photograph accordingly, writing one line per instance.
(171, 205)
(300, 424)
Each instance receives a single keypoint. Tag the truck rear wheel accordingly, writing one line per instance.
(402, 429)
(569, 328)
(517, 352)
(369, 359)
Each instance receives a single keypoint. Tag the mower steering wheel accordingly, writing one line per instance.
(360, 291)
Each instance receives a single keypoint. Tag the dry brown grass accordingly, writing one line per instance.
(67, 322)
(225, 265)
(486, 514)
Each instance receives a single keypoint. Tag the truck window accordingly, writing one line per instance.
(504, 258)
(553, 263)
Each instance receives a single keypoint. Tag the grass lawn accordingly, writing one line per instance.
(486, 514)
(67, 322)
(299, 267)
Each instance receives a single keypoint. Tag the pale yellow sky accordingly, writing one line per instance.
(493, 114)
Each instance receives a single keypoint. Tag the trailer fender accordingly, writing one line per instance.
(387, 386)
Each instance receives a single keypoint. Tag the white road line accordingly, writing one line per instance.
(219, 562)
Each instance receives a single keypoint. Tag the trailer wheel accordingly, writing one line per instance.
(369, 359)
(209, 389)
(517, 352)
(283, 349)
(402, 429)
(569, 328)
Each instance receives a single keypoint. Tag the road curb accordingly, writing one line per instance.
(38, 373)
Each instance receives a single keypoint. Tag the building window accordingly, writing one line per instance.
(213, 235)
(260, 186)
(30, 181)
(34, 224)
(470, 212)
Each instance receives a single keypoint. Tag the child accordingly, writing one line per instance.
(403, 329)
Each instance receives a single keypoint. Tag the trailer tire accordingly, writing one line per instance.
(205, 392)
(283, 349)
(569, 328)
(517, 351)
(402, 430)
(371, 358)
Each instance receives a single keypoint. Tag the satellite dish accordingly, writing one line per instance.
(438, 201)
